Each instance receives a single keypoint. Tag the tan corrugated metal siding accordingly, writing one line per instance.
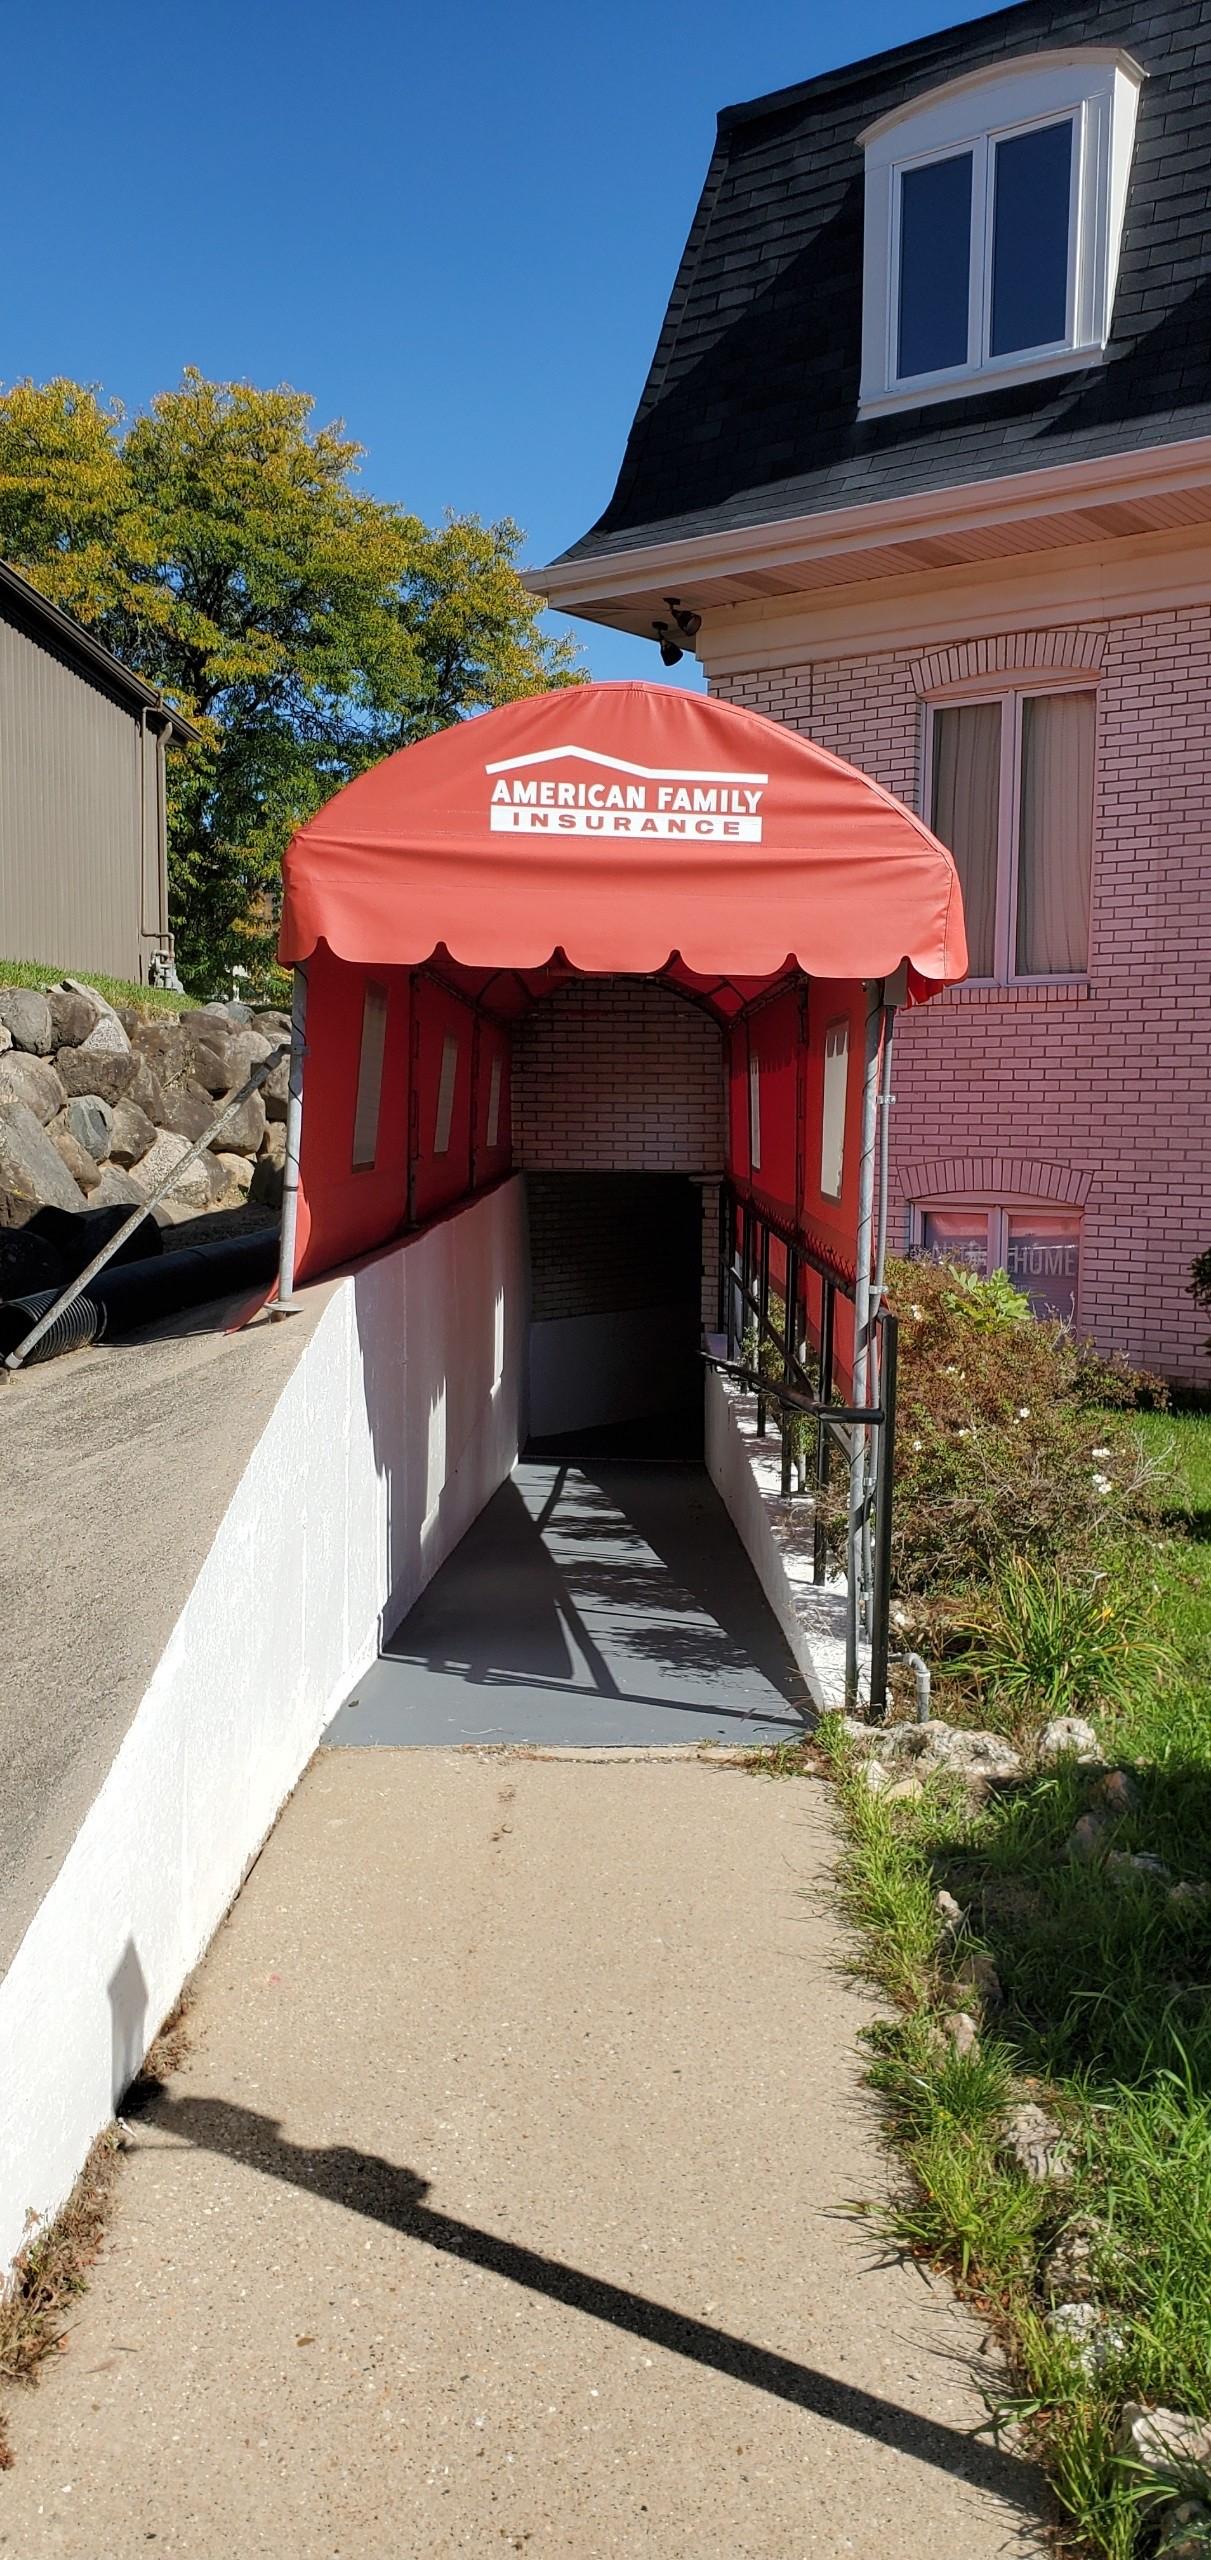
(79, 879)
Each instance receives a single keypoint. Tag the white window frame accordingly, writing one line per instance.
(1033, 683)
(997, 1215)
(1097, 89)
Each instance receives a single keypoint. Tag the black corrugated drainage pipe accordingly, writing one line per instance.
(129, 1294)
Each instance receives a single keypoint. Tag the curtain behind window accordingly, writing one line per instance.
(1055, 839)
(966, 796)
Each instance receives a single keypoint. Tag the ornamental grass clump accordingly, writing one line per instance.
(1048, 1645)
(1012, 1440)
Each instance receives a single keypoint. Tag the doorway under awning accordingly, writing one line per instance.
(624, 832)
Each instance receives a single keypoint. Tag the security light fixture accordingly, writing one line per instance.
(671, 655)
(688, 624)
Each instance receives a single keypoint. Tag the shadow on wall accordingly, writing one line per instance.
(128, 1998)
(440, 1326)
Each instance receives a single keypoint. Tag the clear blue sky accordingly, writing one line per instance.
(456, 225)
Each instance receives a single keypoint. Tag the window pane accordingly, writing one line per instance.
(369, 1079)
(1055, 835)
(1043, 1257)
(445, 1095)
(1033, 183)
(966, 815)
(832, 1134)
(957, 1235)
(935, 265)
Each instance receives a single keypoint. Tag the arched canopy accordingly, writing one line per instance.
(625, 828)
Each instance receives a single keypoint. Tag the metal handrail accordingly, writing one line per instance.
(864, 1433)
(15, 1359)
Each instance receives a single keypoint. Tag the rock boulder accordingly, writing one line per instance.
(26, 1016)
(74, 1012)
(109, 1072)
(90, 1122)
(33, 1175)
(194, 1186)
(131, 1135)
(33, 1081)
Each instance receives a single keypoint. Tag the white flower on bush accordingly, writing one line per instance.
(1100, 1453)
(1024, 1416)
(1101, 1484)
(918, 1444)
(917, 1314)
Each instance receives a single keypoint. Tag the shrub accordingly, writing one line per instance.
(1004, 1444)
(1200, 1283)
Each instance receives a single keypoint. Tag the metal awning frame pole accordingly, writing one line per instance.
(286, 1303)
(862, 1320)
(77, 1287)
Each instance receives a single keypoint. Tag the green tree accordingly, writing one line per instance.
(220, 545)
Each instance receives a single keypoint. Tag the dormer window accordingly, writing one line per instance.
(994, 213)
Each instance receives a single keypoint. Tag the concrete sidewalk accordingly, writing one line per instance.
(501, 2204)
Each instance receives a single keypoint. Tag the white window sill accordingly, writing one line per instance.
(964, 386)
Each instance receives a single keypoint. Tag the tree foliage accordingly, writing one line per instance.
(220, 544)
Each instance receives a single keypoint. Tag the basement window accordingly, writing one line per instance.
(1039, 1248)
(445, 1095)
(369, 1079)
(994, 216)
(832, 1131)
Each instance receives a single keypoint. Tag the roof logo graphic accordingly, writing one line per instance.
(622, 764)
(652, 800)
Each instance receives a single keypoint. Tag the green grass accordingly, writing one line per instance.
(38, 973)
(1106, 2014)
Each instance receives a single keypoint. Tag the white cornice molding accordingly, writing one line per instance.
(995, 75)
(647, 569)
(1089, 583)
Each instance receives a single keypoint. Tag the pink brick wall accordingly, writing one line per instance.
(1100, 1094)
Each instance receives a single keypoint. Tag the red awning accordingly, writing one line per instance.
(621, 824)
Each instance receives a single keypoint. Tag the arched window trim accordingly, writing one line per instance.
(1098, 89)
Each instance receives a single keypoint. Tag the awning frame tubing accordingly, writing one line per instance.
(286, 1302)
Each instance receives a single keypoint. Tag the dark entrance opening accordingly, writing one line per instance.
(615, 1315)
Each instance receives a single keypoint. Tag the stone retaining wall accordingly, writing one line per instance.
(97, 1104)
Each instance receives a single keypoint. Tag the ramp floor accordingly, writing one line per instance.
(593, 1605)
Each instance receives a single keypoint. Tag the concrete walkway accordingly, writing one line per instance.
(588, 1604)
(501, 2204)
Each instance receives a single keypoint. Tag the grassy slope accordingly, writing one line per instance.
(1107, 2011)
(37, 973)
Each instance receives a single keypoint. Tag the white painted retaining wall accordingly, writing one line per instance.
(777, 1538)
(399, 1422)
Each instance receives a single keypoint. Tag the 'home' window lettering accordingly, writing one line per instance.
(1039, 1248)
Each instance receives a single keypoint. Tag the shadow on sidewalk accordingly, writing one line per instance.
(378, 2189)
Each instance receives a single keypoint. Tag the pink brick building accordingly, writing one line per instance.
(926, 450)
